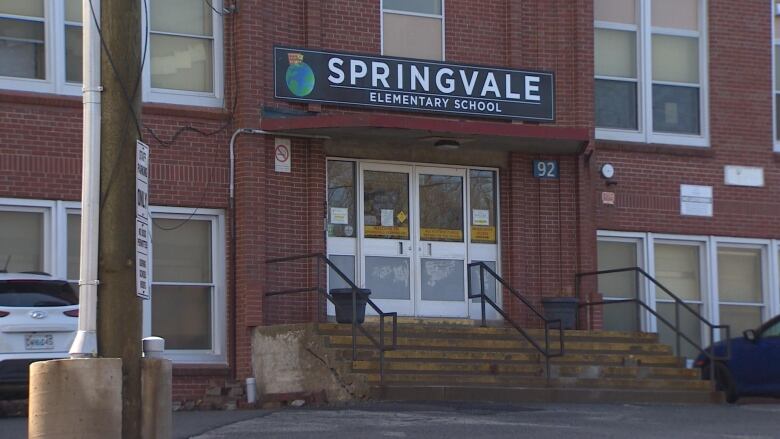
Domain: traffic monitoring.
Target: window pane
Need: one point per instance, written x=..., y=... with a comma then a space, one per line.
x=386, y=205
x=182, y=316
x=419, y=6
x=615, y=255
x=621, y=317
x=615, y=53
x=616, y=104
x=21, y=241
x=190, y=17
x=677, y=268
x=616, y=11
x=675, y=59
x=181, y=63
x=73, y=51
x=677, y=14
x=489, y=281
x=441, y=208
x=181, y=250
x=74, y=246
x=387, y=278
x=73, y=10
x=740, y=318
x=413, y=37
x=442, y=279
x=341, y=199
x=690, y=326
x=482, y=193
x=29, y=8
x=347, y=266
x=739, y=275
x=22, y=52
x=777, y=67
x=676, y=109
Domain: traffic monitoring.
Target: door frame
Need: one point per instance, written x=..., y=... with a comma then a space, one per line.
x=473, y=310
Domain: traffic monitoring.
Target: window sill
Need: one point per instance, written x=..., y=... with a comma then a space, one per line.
x=674, y=150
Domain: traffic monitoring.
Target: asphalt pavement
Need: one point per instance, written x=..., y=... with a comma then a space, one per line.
x=439, y=420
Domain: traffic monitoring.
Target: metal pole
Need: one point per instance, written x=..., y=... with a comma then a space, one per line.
x=354, y=324
x=638, y=306
x=482, y=292
x=85, y=343
x=677, y=326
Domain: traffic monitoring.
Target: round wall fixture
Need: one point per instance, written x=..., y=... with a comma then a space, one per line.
x=607, y=170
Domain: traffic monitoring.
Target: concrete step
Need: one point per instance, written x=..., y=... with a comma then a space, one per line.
x=542, y=394
x=460, y=379
x=517, y=345
x=529, y=357
x=466, y=331
x=527, y=369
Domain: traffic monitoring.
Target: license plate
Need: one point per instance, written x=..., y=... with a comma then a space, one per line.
x=35, y=342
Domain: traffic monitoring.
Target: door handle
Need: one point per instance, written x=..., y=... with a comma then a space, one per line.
x=400, y=248
x=430, y=249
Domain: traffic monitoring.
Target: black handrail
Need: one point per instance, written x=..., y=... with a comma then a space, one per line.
x=545, y=351
x=379, y=344
x=679, y=335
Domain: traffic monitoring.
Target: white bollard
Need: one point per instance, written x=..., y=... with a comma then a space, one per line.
x=153, y=347
x=251, y=390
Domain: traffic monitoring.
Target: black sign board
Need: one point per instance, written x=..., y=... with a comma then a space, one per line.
x=412, y=85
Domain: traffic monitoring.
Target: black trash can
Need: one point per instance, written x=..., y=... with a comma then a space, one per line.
x=563, y=308
x=342, y=298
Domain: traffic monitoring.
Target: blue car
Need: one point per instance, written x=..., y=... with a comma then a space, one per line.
x=754, y=367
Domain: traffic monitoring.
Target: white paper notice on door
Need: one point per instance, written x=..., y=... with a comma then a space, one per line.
x=339, y=215
x=480, y=217
x=387, y=218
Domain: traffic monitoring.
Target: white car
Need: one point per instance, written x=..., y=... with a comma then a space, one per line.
x=38, y=321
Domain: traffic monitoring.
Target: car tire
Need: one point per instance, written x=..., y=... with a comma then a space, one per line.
x=725, y=383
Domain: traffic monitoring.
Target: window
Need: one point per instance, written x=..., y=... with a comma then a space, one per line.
x=188, y=289
x=185, y=53
x=740, y=287
x=678, y=267
x=43, y=38
x=650, y=71
x=413, y=28
x=616, y=253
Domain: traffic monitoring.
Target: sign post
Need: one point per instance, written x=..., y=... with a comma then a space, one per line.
x=143, y=268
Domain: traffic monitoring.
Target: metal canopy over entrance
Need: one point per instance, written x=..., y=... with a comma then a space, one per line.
x=407, y=232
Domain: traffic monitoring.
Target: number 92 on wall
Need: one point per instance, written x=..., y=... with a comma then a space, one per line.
x=546, y=169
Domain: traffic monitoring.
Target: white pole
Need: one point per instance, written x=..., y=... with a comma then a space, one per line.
x=85, y=344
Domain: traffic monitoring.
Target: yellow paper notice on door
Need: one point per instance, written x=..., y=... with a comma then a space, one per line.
x=441, y=235
x=483, y=234
x=394, y=232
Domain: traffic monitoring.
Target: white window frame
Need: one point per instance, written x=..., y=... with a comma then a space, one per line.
x=184, y=97
x=642, y=259
x=218, y=352
x=55, y=83
x=55, y=262
x=382, y=11
x=645, y=133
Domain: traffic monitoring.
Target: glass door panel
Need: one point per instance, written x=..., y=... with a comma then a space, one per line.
x=342, y=223
x=483, y=236
x=387, y=242
x=441, y=248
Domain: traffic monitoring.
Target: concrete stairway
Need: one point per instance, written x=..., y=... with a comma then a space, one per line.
x=442, y=359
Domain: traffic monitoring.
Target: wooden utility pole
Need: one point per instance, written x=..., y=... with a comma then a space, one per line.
x=119, y=309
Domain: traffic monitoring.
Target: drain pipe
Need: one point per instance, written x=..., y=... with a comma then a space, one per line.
x=232, y=207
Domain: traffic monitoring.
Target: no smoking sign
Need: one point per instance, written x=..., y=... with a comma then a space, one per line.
x=282, y=155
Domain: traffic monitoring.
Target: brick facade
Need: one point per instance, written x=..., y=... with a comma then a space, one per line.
x=548, y=227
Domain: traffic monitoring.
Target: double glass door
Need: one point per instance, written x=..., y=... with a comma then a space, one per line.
x=409, y=243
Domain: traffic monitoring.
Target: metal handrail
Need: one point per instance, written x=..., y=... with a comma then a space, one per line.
x=379, y=344
x=545, y=351
x=679, y=335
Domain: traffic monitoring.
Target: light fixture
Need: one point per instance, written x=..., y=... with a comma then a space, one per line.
x=447, y=144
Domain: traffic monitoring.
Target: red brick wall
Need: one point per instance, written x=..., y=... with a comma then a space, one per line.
x=649, y=177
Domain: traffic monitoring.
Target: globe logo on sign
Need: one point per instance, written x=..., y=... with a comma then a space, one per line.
x=299, y=77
